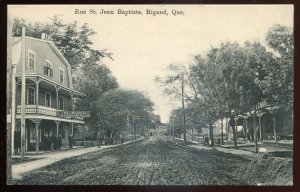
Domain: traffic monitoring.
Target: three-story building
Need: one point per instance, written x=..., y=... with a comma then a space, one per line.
x=50, y=94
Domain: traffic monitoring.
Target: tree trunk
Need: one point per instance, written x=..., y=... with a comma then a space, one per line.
x=233, y=126
x=183, y=108
x=222, y=140
x=211, y=135
x=227, y=131
x=274, y=128
x=255, y=133
x=234, y=136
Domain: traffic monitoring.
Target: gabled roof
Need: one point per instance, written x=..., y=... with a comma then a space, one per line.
x=55, y=49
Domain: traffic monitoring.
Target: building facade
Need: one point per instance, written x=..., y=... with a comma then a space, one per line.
x=50, y=95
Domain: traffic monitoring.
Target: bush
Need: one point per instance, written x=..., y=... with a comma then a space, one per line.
x=267, y=170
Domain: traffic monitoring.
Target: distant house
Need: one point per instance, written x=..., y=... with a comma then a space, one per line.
x=268, y=121
x=50, y=94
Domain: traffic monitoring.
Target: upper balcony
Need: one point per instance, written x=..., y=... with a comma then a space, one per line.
x=42, y=110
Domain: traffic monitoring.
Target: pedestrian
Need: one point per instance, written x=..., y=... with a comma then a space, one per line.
x=59, y=142
x=98, y=138
x=206, y=140
x=50, y=139
x=70, y=141
x=219, y=141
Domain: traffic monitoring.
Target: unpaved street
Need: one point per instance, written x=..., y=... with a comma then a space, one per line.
x=157, y=161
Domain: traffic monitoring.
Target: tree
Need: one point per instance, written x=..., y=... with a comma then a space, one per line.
x=117, y=108
x=278, y=83
x=174, y=85
x=73, y=41
x=94, y=81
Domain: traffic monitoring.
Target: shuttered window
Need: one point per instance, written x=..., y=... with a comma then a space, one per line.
x=31, y=59
x=61, y=75
x=47, y=69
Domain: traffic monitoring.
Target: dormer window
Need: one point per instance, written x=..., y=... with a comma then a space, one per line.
x=31, y=59
x=47, y=69
x=61, y=75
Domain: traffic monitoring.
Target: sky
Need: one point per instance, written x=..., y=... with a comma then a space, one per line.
x=143, y=45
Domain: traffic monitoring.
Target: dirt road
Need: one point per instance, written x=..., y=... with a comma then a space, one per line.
x=157, y=161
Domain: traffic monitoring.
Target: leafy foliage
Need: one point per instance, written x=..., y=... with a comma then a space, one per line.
x=237, y=78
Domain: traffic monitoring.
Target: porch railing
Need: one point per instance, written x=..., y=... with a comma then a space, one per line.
x=42, y=110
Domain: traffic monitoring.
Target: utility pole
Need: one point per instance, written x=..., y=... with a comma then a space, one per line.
x=183, y=108
x=173, y=125
x=23, y=91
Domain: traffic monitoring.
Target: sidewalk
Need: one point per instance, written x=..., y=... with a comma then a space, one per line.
x=247, y=154
x=245, y=150
x=47, y=158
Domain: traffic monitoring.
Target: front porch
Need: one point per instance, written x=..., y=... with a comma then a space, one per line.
x=44, y=132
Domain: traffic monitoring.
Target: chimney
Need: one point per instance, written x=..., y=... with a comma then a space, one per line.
x=44, y=36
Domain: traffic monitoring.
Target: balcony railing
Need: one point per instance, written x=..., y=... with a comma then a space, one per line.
x=31, y=109
x=28, y=109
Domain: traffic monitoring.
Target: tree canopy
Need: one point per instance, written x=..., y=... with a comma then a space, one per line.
x=234, y=77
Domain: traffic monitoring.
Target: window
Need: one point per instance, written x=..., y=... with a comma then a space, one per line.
x=61, y=75
x=30, y=96
x=61, y=103
x=31, y=59
x=48, y=99
x=47, y=69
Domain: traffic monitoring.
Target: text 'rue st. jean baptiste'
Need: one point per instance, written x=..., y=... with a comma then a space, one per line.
x=127, y=12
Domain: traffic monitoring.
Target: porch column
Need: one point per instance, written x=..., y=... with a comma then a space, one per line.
x=72, y=129
x=72, y=100
x=57, y=100
x=37, y=124
x=37, y=95
x=57, y=129
x=13, y=107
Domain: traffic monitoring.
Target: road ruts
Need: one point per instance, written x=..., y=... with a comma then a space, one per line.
x=157, y=161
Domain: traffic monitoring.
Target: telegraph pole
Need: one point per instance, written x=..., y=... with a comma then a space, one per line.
x=23, y=91
x=173, y=125
x=183, y=108
x=9, y=149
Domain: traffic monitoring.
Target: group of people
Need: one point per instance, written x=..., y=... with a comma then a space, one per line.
x=51, y=142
